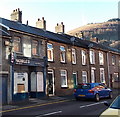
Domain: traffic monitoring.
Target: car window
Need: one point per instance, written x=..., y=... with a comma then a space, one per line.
x=83, y=86
x=116, y=103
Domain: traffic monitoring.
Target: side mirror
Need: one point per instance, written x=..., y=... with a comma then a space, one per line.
x=106, y=103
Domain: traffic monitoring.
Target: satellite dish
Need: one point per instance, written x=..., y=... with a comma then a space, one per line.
x=90, y=45
x=72, y=39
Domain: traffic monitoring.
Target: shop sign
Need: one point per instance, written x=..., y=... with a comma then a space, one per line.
x=29, y=62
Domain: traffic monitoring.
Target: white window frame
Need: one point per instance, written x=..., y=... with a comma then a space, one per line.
x=51, y=51
x=83, y=52
x=73, y=56
x=84, y=76
x=62, y=54
x=101, y=58
x=102, y=75
x=63, y=75
x=92, y=56
x=93, y=75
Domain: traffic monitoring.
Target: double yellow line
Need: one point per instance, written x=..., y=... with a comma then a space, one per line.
x=27, y=107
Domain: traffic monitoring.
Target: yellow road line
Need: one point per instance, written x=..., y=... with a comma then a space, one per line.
x=34, y=106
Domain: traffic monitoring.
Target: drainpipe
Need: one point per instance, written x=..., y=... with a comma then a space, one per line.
x=108, y=68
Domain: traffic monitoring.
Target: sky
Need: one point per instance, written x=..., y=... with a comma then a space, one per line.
x=73, y=13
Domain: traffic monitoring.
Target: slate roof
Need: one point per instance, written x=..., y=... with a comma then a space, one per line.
x=62, y=38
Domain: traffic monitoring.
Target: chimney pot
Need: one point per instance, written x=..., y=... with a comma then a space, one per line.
x=42, y=18
x=38, y=19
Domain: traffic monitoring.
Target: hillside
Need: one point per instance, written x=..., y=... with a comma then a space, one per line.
x=106, y=32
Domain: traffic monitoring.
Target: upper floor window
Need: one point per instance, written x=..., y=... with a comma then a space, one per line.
x=62, y=54
x=35, y=47
x=101, y=58
x=102, y=75
x=113, y=60
x=50, y=52
x=83, y=52
x=17, y=44
x=73, y=56
x=63, y=74
x=92, y=57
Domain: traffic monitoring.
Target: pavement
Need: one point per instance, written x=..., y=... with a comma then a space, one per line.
x=45, y=100
x=36, y=101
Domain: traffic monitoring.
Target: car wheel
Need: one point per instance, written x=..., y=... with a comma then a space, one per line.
x=97, y=98
x=110, y=95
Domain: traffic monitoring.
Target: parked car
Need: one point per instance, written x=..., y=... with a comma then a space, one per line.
x=92, y=90
x=114, y=108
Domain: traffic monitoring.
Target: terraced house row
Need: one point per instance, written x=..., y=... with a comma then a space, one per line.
x=35, y=62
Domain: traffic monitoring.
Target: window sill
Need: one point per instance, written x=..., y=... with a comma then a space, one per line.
x=64, y=87
x=51, y=61
x=63, y=62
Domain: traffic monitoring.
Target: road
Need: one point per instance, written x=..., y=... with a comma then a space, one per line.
x=66, y=107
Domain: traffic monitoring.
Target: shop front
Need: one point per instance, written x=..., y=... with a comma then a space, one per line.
x=28, y=78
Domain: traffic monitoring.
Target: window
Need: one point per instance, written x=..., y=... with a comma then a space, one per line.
x=73, y=56
x=101, y=58
x=116, y=77
x=27, y=47
x=62, y=54
x=17, y=44
x=35, y=47
x=92, y=75
x=50, y=52
x=102, y=75
x=83, y=57
x=113, y=60
x=63, y=74
x=84, y=76
x=92, y=57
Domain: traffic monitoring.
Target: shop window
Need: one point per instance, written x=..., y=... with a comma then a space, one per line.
x=73, y=56
x=116, y=77
x=101, y=58
x=50, y=52
x=63, y=74
x=84, y=76
x=62, y=54
x=35, y=47
x=17, y=44
x=83, y=57
x=20, y=88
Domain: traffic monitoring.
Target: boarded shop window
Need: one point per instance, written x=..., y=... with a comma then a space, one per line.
x=35, y=47
x=20, y=88
x=101, y=58
x=62, y=54
x=73, y=56
x=83, y=57
x=50, y=52
x=84, y=76
x=63, y=74
x=17, y=44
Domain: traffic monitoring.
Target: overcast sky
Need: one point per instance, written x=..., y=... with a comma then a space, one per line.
x=73, y=13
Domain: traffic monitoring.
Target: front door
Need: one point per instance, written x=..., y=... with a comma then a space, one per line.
x=75, y=79
x=50, y=83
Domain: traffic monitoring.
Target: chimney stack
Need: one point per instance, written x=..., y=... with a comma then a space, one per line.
x=41, y=23
x=16, y=15
x=60, y=28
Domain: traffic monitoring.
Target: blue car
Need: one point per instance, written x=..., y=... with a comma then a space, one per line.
x=92, y=91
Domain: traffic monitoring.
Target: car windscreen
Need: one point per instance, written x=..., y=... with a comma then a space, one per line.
x=84, y=86
x=116, y=103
